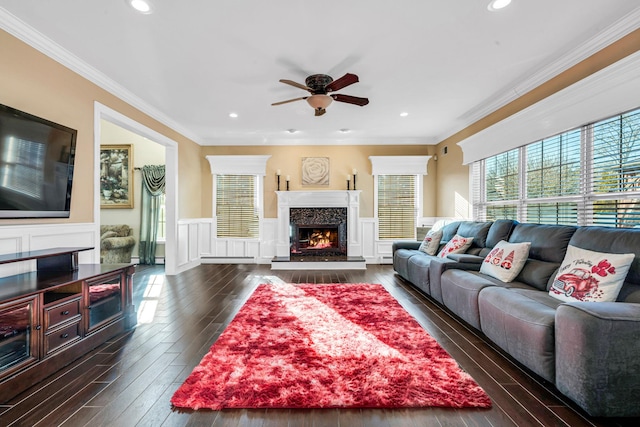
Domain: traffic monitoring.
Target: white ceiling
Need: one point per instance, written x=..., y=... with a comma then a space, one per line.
x=192, y=62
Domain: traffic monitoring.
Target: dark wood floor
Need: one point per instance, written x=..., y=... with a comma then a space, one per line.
x=129, y=380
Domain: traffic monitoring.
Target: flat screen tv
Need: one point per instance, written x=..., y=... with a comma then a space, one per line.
x=36, y=166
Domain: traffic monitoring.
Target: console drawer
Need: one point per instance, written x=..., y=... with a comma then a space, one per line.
x=58, y=338
x=61, y=313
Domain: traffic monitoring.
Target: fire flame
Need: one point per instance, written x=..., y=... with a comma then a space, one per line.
x=320, y=240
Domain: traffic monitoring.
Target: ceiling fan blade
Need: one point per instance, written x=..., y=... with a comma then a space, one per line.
x=350, y=99
x=295, y=84
x=290, y=100
x=320, y=111
x=344, y=81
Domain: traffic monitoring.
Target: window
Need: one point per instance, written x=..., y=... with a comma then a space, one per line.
x=236, y=206
x=397, y=206
x=586, y=176
x=502, y=178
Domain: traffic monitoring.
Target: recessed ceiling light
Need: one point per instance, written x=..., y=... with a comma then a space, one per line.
x=142, y=6
x=233, y=115
x=404, y=114
x=345, y=130
x=292, y=130
x=498, y=4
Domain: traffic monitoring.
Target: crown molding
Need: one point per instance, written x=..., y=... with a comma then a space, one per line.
x=21, y=30
x=311, y=140
x=603, y=94
x=563, y=61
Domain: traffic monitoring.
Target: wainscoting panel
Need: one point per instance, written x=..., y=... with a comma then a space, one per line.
x=384, y=251
x=197, y=244
x=368, y=234
x=268, y=240
x=182, y=251
x=204, y=236
x=23, y=238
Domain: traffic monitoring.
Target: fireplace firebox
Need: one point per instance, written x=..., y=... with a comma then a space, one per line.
x=318, y=232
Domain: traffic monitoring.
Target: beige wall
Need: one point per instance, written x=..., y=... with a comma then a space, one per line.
x=453, y=183
x=33, y=82
x=342, y=160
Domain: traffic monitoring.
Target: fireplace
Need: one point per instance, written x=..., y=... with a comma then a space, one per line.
x=318, y=232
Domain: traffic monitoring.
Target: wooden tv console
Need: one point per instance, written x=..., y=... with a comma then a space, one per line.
x=56, y=314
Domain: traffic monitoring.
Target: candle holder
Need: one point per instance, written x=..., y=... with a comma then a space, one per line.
x=287, y=185
x=354, y=181
x=348, y=183
x=278, y=182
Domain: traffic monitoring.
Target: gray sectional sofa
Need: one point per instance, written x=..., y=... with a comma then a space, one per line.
x=590, y=351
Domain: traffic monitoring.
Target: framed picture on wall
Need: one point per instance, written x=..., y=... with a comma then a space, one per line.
x=116, y=176
x=315, y=171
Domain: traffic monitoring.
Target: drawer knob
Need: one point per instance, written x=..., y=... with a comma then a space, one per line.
x=64, y=313
x=64, y=336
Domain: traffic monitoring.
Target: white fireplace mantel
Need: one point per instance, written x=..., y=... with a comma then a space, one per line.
x=349, y=199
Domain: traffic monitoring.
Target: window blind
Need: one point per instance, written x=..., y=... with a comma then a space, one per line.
x=502, y=176
x=615, y=171
x=397, y=206
x=236, y=210
x=553, y=166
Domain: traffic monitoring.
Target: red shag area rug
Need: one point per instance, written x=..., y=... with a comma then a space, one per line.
x=326, y=346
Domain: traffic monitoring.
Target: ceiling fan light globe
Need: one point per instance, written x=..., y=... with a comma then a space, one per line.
x=319, y=101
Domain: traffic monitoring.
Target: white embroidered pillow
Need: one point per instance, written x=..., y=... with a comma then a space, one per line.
x=431, y=242
x=457, y=245
x=590, y=276
x=505, y=260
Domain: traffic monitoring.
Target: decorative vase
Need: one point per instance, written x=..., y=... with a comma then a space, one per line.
x=106, y=194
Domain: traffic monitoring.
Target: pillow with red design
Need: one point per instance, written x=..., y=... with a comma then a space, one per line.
x=457, y=245
x=431, y=242
x=586, y=275
x=505, y=260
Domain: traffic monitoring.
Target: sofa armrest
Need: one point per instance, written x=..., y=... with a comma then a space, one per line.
x=405, y=244
x=466, y=258
x=598, y=356
x=439, y=266
x=117, y=242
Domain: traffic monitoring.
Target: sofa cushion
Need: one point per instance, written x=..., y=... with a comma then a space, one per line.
x=431, y=242
x=522, y=322
x=456, y=245
x=460, y=290
x=418, y=268
x=401, y=260
x=450, y=230
x=505, y=260
x=500, y=230
x=548, y=246
x=590, y=276
x=615, y=240
x=476, y=229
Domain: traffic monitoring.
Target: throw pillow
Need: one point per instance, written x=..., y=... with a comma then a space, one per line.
x=505, y=260
x=456, y=245
x=431, y=242
x=586, y=275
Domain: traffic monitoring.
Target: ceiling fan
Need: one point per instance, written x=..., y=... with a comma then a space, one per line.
x=320, y=86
